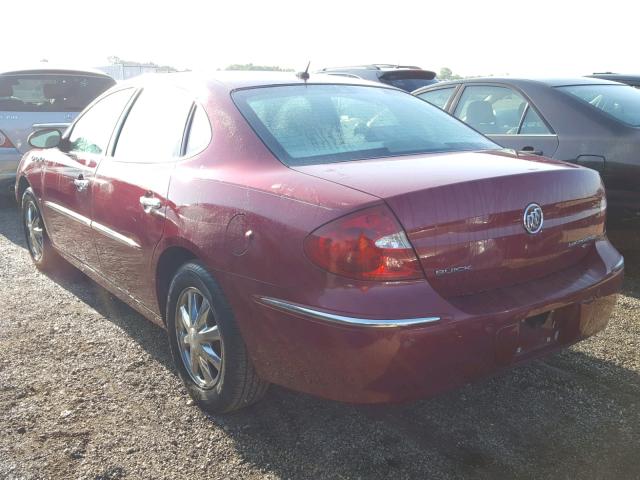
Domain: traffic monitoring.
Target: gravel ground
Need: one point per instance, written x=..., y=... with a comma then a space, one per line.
x=88, y=390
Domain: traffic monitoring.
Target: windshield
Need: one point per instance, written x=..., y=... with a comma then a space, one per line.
x=312, y=124
x=620, y=101
x=50, y=92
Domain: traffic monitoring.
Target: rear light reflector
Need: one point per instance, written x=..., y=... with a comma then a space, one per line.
x=366, y=245
x=5, y=142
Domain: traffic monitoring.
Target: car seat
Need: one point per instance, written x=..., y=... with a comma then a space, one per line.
x=480, y=116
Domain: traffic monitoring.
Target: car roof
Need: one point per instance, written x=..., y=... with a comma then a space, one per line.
x=523, y=82
x=234, y=80
x=53, y=69
x=616, y=76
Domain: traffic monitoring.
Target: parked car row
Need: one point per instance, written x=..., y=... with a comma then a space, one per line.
x=329, y=234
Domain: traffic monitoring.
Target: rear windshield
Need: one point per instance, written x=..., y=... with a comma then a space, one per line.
x=313, y=124
x=50, y=92
x=620, y=101
x=409, y=80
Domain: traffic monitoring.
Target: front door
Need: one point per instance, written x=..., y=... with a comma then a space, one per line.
x=130, y=194
x=69, y=176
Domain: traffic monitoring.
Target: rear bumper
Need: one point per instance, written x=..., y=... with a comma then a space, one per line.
x=347, y=360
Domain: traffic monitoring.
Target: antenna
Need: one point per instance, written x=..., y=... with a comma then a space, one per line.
x=304, y=75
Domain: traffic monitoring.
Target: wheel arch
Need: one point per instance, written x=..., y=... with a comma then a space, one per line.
x=23, y=184
x=168, y=263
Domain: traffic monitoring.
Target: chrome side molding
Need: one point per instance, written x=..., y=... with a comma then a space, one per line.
x=68, y=213
x=113, y=235
x=341, y=319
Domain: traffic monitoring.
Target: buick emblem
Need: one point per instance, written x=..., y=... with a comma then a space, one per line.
x=533, y=218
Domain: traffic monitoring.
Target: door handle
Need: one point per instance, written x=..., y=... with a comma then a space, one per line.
x=80, y=183
x=531, y=150
x=150, y=203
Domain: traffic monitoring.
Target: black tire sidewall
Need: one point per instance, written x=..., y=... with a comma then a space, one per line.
x=222, y=395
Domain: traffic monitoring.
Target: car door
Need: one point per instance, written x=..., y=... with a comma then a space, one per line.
x=131, y=186
x=69, y=172
x=507, y=117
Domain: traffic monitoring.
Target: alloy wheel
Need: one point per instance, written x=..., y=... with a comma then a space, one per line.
x=198, y=338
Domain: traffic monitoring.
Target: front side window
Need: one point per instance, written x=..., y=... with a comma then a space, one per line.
x=154, y=128
x=50, y=92
x=312, y=124
x=93, y=130
x=438, y=97
x=619, y=101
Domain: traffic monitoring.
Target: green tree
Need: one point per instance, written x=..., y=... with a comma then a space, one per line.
x=447, y=74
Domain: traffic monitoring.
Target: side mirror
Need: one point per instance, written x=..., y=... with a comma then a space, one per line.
x=47, y=138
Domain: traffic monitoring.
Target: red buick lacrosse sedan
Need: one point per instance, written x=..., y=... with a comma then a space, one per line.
x=330, y=235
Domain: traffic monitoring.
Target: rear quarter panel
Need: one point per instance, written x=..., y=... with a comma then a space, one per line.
x=243, y=213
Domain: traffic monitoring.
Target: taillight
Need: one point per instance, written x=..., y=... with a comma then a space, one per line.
x=5, y=142
x=366, y=245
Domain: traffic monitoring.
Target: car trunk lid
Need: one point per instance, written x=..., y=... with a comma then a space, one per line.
x=463, y=213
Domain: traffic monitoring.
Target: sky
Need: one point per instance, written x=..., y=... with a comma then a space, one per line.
x=536, y=38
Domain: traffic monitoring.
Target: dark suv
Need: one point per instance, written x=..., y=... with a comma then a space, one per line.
x=405, y=77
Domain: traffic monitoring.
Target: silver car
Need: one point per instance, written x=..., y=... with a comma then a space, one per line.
x=40, y=98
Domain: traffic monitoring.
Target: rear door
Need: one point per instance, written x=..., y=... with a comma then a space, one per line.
x=505, y=116
x=130, y=194
x=69, y=174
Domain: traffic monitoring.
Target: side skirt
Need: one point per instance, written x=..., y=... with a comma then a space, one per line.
x=114, y=289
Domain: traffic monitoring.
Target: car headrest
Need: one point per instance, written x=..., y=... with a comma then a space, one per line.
x=480, y=112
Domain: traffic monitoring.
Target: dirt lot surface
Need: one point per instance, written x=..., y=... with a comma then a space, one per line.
x=88, y=390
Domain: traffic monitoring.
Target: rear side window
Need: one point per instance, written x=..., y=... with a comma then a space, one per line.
x=154, y=128
x=312, y=124
x=50, y=92
x=199, y=132
x=533, y=124
x=438, y=97
x=93, y=130
x=620, y=101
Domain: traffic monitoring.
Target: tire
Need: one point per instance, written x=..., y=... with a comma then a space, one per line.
x=42, y=253
x=222, y=378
